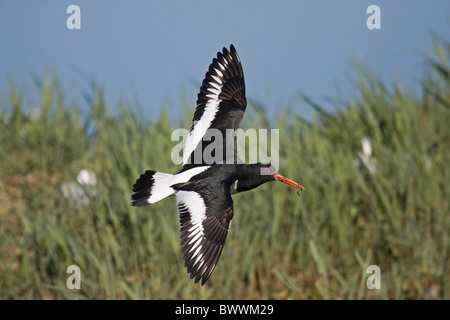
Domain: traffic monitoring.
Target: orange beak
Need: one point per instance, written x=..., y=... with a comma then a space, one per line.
x=279, y=177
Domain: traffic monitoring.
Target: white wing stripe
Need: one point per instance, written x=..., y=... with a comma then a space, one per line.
x=195, y=238
x=196, y=208
x=216, y=92
x=219, y=81
x=195, y=246
x=212, y=95
x=200, y=257
x=195, y=205
x=215, y=85
x=219, y=73
x=200, y=128
x=221, y=65
x=194, y=228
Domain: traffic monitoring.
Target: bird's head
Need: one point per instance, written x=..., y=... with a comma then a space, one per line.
x=259, y=173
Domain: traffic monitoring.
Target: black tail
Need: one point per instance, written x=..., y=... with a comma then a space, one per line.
x=151, y=187
x=142, y=189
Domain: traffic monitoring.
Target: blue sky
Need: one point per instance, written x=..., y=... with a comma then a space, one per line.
x=155, y=50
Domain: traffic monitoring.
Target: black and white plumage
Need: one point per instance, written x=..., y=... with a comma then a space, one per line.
x=205, y=216
x=202, y=187
x=221, y=105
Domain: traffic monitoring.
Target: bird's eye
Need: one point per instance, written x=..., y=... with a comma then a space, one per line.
x=267, y=170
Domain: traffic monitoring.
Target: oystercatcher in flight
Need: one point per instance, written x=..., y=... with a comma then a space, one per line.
x=203, y=187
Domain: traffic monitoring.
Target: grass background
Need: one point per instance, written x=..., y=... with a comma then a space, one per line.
x=280, y=246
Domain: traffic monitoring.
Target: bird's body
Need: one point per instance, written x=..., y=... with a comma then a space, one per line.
x=211, y=168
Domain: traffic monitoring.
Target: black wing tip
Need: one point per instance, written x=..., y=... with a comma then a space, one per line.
x=232, y=49
x=228, y=65
x=224, y=51
x=233, y=52
x=203, y=274
x=204, y=280
x=196, y=276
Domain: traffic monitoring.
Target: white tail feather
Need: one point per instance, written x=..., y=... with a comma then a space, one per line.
x=153, y=186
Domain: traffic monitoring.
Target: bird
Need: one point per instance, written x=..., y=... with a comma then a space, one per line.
x=204, y=188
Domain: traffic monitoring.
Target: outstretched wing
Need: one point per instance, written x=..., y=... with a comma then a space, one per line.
x=221, y=105
x=204, y=224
